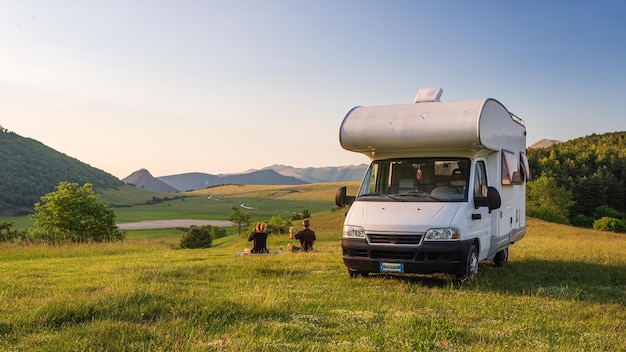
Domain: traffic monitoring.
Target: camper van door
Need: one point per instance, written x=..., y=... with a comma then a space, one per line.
x=481, y=222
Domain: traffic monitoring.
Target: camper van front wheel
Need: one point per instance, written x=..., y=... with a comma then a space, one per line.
x=355, y=273
x=471, y=265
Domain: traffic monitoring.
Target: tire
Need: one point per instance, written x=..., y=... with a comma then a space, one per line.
x=355, y=274
x=471, y=266
x=501, y=258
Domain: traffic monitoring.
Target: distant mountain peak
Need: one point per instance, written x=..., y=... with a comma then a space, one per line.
x=139, y=173
x=544, y=143
x=142, y=178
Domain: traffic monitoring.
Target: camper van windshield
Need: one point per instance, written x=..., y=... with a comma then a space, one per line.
x=416, y=180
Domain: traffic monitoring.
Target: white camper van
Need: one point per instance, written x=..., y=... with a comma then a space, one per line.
x=445, y=189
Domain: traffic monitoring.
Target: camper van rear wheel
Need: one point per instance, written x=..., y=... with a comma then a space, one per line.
x=501, y=258
x=471, y=265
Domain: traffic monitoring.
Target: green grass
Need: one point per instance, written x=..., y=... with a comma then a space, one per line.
x=563, y=290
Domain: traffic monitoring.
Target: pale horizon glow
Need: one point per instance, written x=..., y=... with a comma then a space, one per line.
x=228, y=86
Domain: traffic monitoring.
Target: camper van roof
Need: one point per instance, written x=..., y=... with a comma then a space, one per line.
x=431, y=125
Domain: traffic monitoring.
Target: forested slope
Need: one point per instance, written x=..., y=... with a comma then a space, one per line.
x=593, y=168
x=29, y=169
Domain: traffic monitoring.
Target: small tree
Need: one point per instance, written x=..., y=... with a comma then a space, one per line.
x=278, y=225
x=300, y=216
x=198, y=237
x=547, y=201
x=238, y=217
x=76, y=214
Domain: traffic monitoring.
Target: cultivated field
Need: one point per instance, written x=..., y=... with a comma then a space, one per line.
x=563, y=290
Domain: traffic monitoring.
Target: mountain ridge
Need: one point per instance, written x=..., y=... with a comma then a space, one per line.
x=198, y=180
x=276, y=174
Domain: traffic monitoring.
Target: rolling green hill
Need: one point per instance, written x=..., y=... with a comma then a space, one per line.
x=29, y=170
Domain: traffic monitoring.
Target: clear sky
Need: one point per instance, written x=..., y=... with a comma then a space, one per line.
x=226, y=86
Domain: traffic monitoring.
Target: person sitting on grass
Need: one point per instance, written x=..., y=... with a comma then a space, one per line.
x=259, y=236
x=306, y=237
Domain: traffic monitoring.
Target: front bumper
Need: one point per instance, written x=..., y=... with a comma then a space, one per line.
x=426, y=258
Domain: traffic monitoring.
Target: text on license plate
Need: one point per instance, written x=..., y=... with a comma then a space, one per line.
x=392, y=267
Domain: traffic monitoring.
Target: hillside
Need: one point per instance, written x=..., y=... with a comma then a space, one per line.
x=29, y=170
x=592, y=168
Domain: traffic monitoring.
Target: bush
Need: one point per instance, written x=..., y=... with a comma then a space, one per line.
x=6, y=234
x=278, y=225
x=201, y=236
x=74, y=214
x=581, y=220
x=609, y=224
x=217, y=232
x=548, y=213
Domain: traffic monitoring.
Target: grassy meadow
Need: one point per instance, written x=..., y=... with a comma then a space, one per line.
x=563, y=290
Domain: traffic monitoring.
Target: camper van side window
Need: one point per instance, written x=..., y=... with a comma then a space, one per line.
x=480, y=180
x=511, y=173
x=525, y=167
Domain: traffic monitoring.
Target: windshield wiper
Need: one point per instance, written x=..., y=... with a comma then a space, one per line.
x=379, y=195
x=417, y=194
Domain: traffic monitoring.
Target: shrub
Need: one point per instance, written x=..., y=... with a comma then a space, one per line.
x=217, y=232
x=581, y=220
x=199, y=236
x=6, y=234
x=278, y=225
x=609, y=224
x=548, y=213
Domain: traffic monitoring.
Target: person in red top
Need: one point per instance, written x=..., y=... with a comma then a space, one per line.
x=306, y=237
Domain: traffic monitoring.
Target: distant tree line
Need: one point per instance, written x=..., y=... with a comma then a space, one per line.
x=580, y=182
x=156, y=200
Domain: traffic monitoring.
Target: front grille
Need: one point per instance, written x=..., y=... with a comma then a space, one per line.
x=381, y=255
x=375, y=238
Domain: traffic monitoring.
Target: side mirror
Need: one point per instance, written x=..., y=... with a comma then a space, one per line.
x=492, y=200
x=342, y=199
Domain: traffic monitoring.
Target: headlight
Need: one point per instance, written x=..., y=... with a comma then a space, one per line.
x=353, y=231
x=447, y=234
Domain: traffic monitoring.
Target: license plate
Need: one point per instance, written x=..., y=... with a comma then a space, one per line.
x=392, y=267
